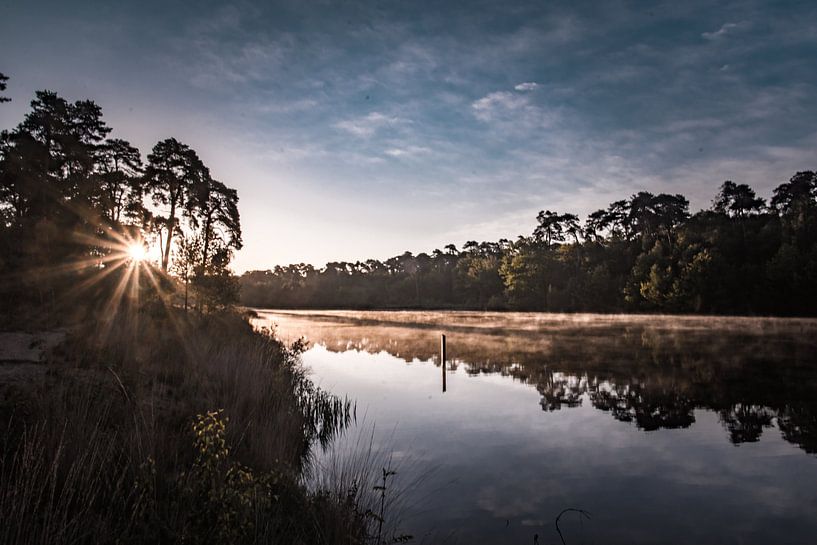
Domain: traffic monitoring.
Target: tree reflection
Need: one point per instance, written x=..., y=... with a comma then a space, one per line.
x=745, y=423
x=648, y=409
x=651, y=371
x=561, y=390
x=798, y=424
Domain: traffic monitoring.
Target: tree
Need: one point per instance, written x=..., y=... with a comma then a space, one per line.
x=618, y=219
x=172, y=173
x=471, y=247
x=120, y=177
x=737, y=200
x=595, y=224
x=796, y=195
x=213, y=209
x=552, y=227
x=67, y=192
x=71, y=134
x=49, y=197
x=796, y=202
x=570, y=225
x=670, y=211
x=47, y=182
x=641, y=253
x=185, y=261
x=653, y=215
x=548, y=228
x=25, y=190
x=3, y=80
x=641, y=216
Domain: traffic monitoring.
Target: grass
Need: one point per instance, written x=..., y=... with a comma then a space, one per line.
x=367, y=476
x=157, y=426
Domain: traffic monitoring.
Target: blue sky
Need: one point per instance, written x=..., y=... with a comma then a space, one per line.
x=363, y=129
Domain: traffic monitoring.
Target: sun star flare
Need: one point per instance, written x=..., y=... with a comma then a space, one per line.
x=137, y=252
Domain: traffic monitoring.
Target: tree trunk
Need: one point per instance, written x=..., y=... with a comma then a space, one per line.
x=170, y=221
x=206, y=245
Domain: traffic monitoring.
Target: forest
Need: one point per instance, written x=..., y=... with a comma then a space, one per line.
x=646, y=253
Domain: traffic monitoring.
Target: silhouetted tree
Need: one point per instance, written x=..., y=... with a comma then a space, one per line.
x=71, y=201
x=549, y=227
x=213, y=210
x=3, y=80
x=737, y=200
x=120, y=177
x=186, y=260
x=172, y=174
x=642, y=253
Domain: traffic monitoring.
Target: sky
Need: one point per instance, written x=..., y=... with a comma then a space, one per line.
x=357, y=130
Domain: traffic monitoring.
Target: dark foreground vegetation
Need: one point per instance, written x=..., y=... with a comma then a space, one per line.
x=169, y=429
x=642, y=254
x=162, y=416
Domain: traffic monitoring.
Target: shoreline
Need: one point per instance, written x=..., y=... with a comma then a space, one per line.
x=149, y=414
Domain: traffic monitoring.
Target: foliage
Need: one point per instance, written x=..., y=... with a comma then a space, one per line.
x=645, y=253
x=73, y=199
x=219, y=499
x=3, y=80
x=100, y=451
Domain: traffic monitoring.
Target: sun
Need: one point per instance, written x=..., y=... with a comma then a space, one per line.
x=137, y=252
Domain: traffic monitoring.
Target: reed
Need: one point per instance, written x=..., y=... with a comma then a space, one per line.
x=111, y=448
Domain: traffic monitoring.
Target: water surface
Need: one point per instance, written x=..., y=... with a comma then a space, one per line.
x=666, y=429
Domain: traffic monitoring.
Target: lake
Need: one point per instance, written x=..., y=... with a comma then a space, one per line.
x=665, y=429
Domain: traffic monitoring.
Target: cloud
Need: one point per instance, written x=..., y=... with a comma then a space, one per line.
x=366, y=126
x=285, y=107
x=514, y=110
x=407, y=151
x=488, y=106
x=704, y=123
x=217, y=65
x=526, y=86
x=727, y=28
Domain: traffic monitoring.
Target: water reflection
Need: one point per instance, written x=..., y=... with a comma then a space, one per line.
x=544, y=412
x=654, y=372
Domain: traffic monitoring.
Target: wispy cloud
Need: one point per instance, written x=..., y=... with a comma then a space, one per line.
x=526, y=86
x=407, y=151
x=284, y=107
x=515, y=110
x=706, y=123
x=555, y=106
x=218, y=50
x=497, y=103
x=726, y=28
x=368, y=125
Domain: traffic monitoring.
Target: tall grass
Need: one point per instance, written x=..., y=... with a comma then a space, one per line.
x=117, y=443
x=60, y=492
x=361, y=464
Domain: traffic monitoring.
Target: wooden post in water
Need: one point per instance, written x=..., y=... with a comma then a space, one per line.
x=442, y=357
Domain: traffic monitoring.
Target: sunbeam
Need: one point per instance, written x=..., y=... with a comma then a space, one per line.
x=137, y=252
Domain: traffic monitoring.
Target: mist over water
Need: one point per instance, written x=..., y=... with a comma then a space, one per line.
x=667, y=429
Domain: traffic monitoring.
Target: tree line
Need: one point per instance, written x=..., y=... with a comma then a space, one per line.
x=74, y=201
x=647, y=253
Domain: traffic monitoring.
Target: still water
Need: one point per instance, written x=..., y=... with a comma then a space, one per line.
x=665, y=429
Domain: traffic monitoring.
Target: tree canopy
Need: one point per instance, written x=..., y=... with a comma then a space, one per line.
x=72, y=199
x=645, y=253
